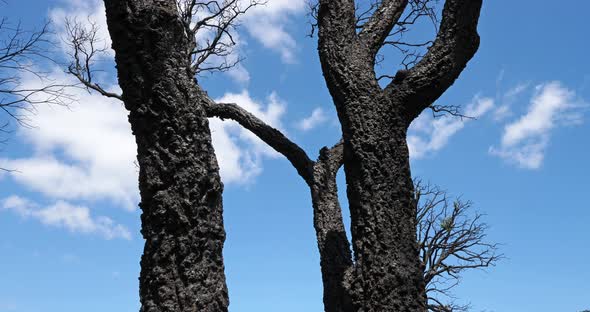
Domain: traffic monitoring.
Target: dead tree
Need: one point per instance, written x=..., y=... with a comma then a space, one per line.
x=182, y=266
x=386, y=273
x=451, y=239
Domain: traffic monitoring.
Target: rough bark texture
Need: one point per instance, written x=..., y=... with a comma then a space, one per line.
x=182, y=266
x=333, y=245
x=386, y=275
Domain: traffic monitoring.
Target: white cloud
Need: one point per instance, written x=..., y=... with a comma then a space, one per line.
x=507, y=99
x=427, y=134
x=525, y=140
x=502, y=112
x=267, y=24
x=76, y=219
x=239, y=74
x=84, y=151
x=88, y=12
x=317, y=117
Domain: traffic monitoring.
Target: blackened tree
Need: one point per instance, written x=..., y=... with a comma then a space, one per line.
x=451, y=239
x=158, y=58
x=386, y=273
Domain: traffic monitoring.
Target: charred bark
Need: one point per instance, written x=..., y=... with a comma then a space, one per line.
x=333, y=245
x=182, y=266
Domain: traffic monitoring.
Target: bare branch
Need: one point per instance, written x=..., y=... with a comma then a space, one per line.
x=271, y=136
x=333, y=244
x=313, y=8
x=19, y=51
x=448, y=110
x=451, y=240
x=210, y=29
x=335, y=156
x=85, y=48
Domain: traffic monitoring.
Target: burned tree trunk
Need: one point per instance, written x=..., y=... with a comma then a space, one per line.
x=333, y=245
x=387, y=274
x=182, y=266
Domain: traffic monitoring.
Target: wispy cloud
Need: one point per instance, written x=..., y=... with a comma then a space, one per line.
x=525, y=140
x=76, y=219
x=317, y=117
x=428, y=134
x=86, y=152
x=507, y=99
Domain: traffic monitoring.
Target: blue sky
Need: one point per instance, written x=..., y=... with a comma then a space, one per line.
x=70, y=227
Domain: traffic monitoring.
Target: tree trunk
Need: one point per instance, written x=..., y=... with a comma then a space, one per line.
x=333, y=245
x=387, y=274
x=182, y=265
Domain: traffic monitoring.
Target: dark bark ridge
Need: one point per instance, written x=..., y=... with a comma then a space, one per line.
x=180, y=188
x=386, y=274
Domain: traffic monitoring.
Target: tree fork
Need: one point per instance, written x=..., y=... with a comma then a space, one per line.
x=387, y=274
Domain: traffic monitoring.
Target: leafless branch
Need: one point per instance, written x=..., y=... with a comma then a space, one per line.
x=271, y=136
x=382, y=23
x=312, y=13
x=451, y=240
x=20, y=50
x=448, y=110
x=376, y=27
x=210, y=28
x=85, y=48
